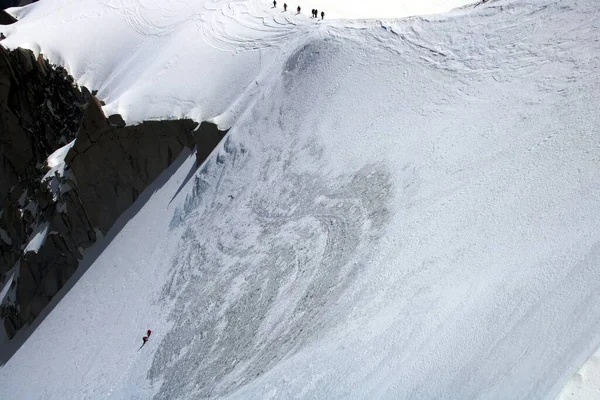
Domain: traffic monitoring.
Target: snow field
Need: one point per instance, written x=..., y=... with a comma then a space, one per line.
x=402, y=209
x=357, y=9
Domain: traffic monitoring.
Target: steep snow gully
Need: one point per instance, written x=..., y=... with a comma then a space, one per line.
x=401, y=208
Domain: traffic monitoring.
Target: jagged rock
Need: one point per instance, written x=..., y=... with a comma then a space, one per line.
x=108, y=166
x=40, y=111
x=73, y=224
x=35, y=103
x=93, y=126
x=11, y=223
x=6, y=18
x=116, y=120
x=12, y=320
x=113, y=165
x=42, y=274
x=207, y=137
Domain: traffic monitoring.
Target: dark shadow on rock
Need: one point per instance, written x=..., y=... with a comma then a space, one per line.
x=40, y=112
x=191, y=173
x=6, y=18
x=105, y=170
x=113, y=164
x=207, y=136
x=4, y=4
x=11, y=347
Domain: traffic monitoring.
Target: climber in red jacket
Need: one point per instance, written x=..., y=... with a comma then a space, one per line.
x=145, y=338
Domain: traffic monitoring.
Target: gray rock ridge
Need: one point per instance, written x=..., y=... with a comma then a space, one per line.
x=48, y=217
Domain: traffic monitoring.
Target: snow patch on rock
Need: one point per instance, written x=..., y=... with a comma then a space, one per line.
x=38, y=237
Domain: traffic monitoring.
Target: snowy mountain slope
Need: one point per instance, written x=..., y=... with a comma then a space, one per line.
x=402, y=209
x=153, y=59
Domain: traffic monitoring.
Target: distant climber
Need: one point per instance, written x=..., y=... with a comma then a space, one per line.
x=274, y=3
x=145, y=338
x=316, y=13
x=313, y=13
x=322, y=15
x=298, y=9
x=284, y=6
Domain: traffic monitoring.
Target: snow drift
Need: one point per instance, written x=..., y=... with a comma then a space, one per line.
x=401, y=209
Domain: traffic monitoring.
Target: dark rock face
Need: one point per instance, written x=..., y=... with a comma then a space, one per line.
x=48, y=218
x=6, y=18
x=14, y=3
x=207, y=137
x=115, y=163
x=40, y=111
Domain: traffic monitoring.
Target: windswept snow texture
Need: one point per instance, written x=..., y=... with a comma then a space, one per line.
x=401, y=209
x=152, y=58
x=360, y=9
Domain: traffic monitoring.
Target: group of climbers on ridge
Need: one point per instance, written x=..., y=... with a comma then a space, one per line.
x=315, y=12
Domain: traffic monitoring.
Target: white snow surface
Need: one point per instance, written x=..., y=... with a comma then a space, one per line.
x=401, y=209
x=585, y=384
x=360, y=9
x=37, y=238
x=56, y=161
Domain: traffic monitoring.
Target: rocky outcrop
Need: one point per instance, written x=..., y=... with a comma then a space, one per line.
x=6, y=18
x=40, y=111
x=207, y=137
x=14, y=3
x=53, y=210
x=114, y=163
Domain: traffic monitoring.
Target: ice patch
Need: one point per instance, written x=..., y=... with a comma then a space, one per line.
x=38, y=237
x=52, y=178
x=56, y=161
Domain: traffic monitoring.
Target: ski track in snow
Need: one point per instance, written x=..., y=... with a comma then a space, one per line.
x=226, y=25
x=401, y=209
